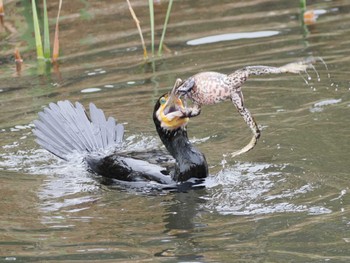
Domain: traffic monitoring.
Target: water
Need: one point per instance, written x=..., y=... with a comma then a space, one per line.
x=287, y=200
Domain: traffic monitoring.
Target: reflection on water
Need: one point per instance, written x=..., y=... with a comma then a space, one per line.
x=285, y=201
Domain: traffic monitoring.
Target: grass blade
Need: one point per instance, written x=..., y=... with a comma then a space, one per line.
x=137, y=22
x=47, y=54
x=164, y=27
x=56, y=43
x=151, y=15
x=38, y=43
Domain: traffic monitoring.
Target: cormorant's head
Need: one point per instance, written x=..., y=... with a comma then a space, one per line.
x=168, y=111
x=170, y=123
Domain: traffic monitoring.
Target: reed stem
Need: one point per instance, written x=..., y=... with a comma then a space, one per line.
x=137, y=22
x=164, y=27
x=151, y=15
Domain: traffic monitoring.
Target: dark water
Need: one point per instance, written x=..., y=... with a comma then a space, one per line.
x=285, y=201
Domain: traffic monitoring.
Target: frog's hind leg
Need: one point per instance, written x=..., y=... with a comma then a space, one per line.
x=238, y=100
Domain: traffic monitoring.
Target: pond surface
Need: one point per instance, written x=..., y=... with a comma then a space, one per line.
x=287, y=200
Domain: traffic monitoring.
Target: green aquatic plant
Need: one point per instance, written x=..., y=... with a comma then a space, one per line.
x=43, y=51
x=151, y=14
x=164, y=27
x=56, y=43
x=37, y=34
x=47, y=53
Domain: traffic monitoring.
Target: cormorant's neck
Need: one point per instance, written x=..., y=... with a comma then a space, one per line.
x=190, y=162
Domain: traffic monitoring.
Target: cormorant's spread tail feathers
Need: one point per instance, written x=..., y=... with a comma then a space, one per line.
x=63, y=129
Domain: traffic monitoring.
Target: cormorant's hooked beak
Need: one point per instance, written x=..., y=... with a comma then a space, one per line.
x=170, y=113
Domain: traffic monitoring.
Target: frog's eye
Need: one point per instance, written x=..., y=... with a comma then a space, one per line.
x=162, y=100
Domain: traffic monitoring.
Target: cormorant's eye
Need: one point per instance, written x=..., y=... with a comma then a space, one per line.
x=162, y=100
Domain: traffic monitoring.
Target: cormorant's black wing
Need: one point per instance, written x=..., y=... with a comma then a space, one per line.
x=63, y=129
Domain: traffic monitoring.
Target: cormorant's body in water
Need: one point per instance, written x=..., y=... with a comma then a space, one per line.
x=63, y=129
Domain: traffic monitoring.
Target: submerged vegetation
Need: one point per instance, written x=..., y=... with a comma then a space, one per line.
x=151, y=14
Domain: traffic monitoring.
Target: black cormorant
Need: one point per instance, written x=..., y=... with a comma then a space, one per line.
x=64, y=129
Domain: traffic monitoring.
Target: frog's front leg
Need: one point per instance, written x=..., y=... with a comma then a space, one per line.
x=238, y=100
x=186, y=89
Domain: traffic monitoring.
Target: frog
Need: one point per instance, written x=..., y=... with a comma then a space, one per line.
x=208, y=88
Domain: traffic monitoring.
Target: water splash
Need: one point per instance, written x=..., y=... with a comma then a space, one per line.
x=303, y=65
x=251, y=189
x=319, y=106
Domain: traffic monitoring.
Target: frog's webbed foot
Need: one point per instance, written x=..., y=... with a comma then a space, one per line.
x=190, y=112
x=238, y=101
